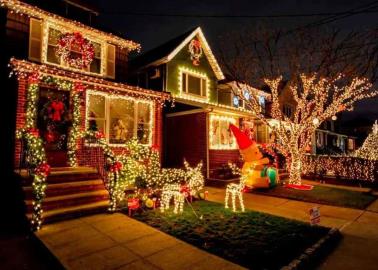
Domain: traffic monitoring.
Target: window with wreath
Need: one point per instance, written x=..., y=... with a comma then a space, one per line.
x=120, y=119
x=193, y=85
x=75, y=52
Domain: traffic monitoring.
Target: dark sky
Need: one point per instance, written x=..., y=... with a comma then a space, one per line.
x=150, y=31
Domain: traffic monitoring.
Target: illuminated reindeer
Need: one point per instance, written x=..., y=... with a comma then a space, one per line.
x=236, y=190
x=194, y=181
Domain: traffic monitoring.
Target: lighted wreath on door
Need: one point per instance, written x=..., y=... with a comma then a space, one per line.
x=75, y=42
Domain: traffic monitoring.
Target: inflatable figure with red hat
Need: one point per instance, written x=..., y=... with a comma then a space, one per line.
x=256, y=172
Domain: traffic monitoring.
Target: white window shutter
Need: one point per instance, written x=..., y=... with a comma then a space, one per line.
x=110, y=61
x=35, y=39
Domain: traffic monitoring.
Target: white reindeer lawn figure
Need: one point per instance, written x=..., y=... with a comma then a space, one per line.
x=195, y=180
x=236, y=190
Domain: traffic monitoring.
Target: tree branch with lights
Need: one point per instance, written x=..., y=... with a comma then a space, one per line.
x=324, y=72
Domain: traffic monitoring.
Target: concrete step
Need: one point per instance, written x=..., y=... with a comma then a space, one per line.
x=76, y=199
x=64, y=213
x=67, y=188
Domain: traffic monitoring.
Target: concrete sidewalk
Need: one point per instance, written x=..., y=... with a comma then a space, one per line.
x=115, y=241
x=358, y=248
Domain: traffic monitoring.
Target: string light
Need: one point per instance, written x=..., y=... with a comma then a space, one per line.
x=317, y=99
x=369, y=149
x=35, y=12
x=342, y=166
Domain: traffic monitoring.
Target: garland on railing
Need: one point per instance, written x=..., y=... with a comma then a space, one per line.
x=141, y=162
x=39, y=170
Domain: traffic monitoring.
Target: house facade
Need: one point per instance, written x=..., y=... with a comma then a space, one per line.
x=67, y=78
x=60, y=55
x=196, y=127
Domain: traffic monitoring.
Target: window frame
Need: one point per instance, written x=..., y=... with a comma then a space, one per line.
x=107, y=125
x=219, y=118
x=46, y=26
x=204, y=84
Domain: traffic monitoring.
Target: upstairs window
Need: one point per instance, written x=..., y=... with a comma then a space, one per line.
x=193, y=85
x=52, y=58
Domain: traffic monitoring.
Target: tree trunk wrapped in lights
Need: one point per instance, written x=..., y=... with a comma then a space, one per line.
x=321, y=72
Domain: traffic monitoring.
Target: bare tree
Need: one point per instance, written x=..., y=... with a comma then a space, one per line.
x=326, y=72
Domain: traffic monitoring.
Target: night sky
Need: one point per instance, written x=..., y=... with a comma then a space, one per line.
x=151, y=31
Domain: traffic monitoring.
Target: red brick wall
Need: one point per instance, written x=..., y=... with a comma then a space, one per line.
x=218, y=158
x=186, y=138
x=20, y=117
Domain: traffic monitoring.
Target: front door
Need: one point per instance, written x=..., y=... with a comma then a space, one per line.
x=54, y=124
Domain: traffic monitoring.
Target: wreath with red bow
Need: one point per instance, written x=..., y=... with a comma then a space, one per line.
x=75, y=41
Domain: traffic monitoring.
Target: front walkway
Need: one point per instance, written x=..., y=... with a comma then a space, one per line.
x=359, y=246
x=115, y=241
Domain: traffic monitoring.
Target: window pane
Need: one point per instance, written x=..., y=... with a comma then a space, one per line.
x=96, y=125
x=121, y=117
x=95, y=66
x=194, y=85
x=97, y=49
x=184, y=83
x=51, y=56
x=225, y=136
x=215, y=135
x=54, y=36
x=96, y=107
x=144, y=127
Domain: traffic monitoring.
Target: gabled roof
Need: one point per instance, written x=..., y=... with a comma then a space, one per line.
x=167, y=51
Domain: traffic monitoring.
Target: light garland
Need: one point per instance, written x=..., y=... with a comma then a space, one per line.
x=315, y=98
x=22, y=69
x=218, y=118
x=19, y=7
x=347, y=167
x=369, y=149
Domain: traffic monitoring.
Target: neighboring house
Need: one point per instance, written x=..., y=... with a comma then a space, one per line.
x=90, y=61
x=197, y=127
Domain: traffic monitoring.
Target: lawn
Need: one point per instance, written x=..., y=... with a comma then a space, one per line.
x=324, y=195
x=251, y=239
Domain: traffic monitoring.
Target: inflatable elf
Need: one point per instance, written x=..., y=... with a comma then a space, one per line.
x=255, y=168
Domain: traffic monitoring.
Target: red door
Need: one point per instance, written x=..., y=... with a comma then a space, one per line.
x=54, y=124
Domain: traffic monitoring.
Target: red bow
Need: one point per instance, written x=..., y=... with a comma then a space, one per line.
x=116, y=167
x=185, y=189
x=34, y=132
x=43, y=169
x=79, y=87
x=99, y=135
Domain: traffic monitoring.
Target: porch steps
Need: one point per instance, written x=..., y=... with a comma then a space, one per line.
x=70, y=192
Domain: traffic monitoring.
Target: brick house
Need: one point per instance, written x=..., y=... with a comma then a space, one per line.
x=95, y=63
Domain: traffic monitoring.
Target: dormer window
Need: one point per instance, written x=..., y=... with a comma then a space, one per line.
x=193, y=84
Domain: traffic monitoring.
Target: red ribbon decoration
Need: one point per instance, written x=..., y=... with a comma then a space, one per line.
x=43, y=169
x=34, y=132
x=116, y=167
x=33, y=78
x=99, y=135
x=79, y=87
x=57, y=110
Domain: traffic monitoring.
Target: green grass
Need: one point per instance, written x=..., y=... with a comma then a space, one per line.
x=251, y=239
x=324, y=195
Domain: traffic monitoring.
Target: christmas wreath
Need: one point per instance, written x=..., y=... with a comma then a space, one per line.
x=75, y=41
x=195, y=50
